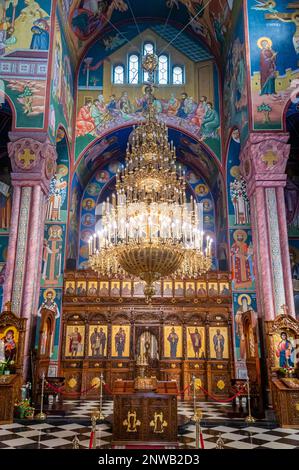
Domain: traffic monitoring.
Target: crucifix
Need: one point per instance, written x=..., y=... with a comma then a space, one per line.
x=292, y=17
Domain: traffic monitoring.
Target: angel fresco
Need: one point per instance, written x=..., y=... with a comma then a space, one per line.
x=265, y=5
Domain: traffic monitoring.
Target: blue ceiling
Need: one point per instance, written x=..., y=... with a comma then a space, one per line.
x=154, y=9
x=183, y=43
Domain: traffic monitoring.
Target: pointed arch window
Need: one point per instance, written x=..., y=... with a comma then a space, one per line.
x=133, y=69
x=119, y=75
x=177, y=75
x=163, y=70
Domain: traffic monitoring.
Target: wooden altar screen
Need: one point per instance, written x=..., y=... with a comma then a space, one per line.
x=187, y=327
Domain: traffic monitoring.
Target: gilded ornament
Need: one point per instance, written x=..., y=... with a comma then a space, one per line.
x=158, y=423
x=270, y=159
x=26, y=159
x=220, y=384
x=131, y=423
x=72, y=382
x=95, y=382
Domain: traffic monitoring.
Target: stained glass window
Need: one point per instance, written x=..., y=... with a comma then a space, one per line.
x=119, y=74
x=177, y=75
x=133, y=69
x=163, y=70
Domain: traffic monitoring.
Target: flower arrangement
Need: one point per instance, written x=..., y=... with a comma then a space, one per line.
x=23, y=409
x=5, y=366
x=286, y=372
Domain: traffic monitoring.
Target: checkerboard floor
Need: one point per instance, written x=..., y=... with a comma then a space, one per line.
x=83, y=409
x=59, y=430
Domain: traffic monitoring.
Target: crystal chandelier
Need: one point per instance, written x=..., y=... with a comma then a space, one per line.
x=149, y=229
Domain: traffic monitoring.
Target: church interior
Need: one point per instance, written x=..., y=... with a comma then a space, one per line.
x=149, y=224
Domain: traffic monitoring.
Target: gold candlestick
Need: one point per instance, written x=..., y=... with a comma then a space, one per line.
x=249, y=419
x=101, y=417
x=94, y=418
x=41, y=415
x=194, y=417
x=197, y=418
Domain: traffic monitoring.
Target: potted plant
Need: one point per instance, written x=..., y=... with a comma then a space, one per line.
x=29, y=412
x=21, y=407
x=287, y=372
x=5, y=367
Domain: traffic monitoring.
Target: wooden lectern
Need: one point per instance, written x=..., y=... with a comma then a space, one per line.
x=147, y=417
x=9, y=392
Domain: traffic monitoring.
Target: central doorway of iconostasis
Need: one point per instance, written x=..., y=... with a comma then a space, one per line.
x=148, y=348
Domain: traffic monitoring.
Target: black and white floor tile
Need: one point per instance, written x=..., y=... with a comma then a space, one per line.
x=60, y=429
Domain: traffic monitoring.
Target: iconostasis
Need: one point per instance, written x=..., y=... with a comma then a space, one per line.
x=177, y=342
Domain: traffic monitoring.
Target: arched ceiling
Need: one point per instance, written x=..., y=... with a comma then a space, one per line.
x=113, y=147
x=206, y=21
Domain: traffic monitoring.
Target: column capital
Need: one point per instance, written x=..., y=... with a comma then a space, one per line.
x=33, y=159
x=264, y=158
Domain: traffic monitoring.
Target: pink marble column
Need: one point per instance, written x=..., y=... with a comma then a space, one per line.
x=11, y=252
x=33, y=241
x=285, y=254
x=33, y=163
x=263, y=163
x=262, y=254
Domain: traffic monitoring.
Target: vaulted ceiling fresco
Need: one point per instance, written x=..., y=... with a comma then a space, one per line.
x=209, y=21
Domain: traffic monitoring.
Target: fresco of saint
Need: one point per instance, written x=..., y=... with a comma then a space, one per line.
x=267, y=66
x=241, y=265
